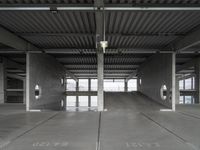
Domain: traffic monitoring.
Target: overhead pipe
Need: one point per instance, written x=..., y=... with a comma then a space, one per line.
x=24, y=8
x=106, y=8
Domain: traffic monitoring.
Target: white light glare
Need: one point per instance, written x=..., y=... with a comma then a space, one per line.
x=104, y=45
x=166, y=110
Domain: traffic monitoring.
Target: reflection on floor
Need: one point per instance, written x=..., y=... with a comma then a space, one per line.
x=132, y=122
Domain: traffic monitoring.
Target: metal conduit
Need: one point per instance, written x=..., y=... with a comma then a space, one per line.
x=106, y=8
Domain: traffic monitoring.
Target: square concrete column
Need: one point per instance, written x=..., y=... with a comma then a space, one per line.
x=177, y=91
x=125, y=86
x=24, y=91
x=174, y=81
x=27, y=81
x=89, y=89
x=100, y=77
x=3, y=82
x=77, y=89
x=197, y=82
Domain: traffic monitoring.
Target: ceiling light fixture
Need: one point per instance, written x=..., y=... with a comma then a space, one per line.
x=104, y=45
x=54, y=10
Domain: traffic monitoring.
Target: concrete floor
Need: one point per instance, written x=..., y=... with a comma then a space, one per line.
x=132, y=122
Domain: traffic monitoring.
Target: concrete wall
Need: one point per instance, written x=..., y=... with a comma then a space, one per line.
x=154, y=73
x=47, y=72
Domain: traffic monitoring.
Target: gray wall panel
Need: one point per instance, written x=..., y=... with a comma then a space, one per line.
x=154, y=73
x=46, y=72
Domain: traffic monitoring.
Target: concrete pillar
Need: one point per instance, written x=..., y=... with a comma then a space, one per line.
x=100, y=77
x=177, y=91
x=197, y=81
x=3, y=82
x=27, y=81
x=174, y=81
x=24, y=91
x=125, y=86
x=77, y=89
x=89, y=89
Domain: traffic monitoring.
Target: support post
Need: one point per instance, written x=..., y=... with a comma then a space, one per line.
x=77, y=89
x=125, y=86
x=197, y=81
x=27, y=81
x=174, y=81
x=100, y=76
x=100, y=36
x=177, y=91
x=89, y=89
x=3, y=82
x=24, y=92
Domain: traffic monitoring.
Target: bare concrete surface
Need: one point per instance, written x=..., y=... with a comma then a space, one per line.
x=71, y=131
x=131, y=122
x=128, y=127
x=193, y=109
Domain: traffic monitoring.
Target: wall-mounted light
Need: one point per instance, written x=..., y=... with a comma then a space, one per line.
x=38, y=92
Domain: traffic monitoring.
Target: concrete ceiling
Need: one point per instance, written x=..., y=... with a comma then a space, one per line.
x=133, y=36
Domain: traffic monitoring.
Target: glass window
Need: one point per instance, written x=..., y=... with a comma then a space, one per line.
x=83, y=101
x=94, y=101
x=71, y=101
x=132, y=85
x=83, y=84
x=93, y=84
x=71, y=85
x=181, y=86
x=188, y=84
x=188, y=99
x=181, y=99
x=114, y=85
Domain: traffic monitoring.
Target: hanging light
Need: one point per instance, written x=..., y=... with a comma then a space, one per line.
x=104, y=43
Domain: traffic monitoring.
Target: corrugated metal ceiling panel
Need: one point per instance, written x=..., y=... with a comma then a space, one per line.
x=149, y=22
x=46, y=22
x=142, y=24
x=62, y=41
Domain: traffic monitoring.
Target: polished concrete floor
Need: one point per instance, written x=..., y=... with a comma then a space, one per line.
x=131, y=122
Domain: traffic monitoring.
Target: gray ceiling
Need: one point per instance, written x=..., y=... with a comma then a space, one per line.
x=69, y=36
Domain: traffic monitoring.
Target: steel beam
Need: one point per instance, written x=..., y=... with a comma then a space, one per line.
x=107, y=34
x=116, y=7
x=15, y=76
x=190, y=40
x=113, y=50
x=133, y=74
x=71, y=75
x=10, y=39
x=13, y=64
x=188, y=64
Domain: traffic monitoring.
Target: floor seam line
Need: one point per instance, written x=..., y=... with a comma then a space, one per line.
x=27, y=131
x=149, y=118
x=189, y=115
x=98, y=136
x=171, y=132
